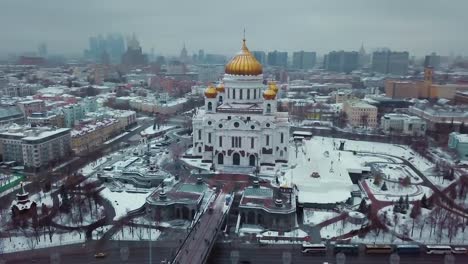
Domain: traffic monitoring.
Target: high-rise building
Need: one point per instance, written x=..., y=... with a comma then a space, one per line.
x=42, y=50
x=304, y=59
x=364, y=58
x=215, y=59
x=183, y=57
x=432, y=60
x=341, y=61
x=201, y=56
x=278, y=58
x=260, y=56
x=112, y=46
x=390, y=62
x=134, y=54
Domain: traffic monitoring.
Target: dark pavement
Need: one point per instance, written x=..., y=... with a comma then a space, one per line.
x=221, y=254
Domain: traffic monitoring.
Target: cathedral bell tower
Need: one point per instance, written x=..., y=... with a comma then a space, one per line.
x=211, y=100
x=270, y=103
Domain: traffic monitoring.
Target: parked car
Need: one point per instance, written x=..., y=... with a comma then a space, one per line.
x=100, y=255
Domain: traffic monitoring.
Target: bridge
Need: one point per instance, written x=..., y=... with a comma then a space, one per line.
x=199, y=242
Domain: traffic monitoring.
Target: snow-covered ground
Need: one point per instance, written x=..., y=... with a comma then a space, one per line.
x=43, y=198
x=196, y=163
x=430, y=227
x=314, y=217
x=395, y=190
x=123, y=202
x=91, y=167
x=73, y=218
x=21, y=243
x=130, y=233
x=402, y=151
x=337, y=229
x=437, y=178
x=149, y=131
x=396, y=172
x=320, y=172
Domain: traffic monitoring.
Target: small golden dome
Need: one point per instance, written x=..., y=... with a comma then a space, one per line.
x=211, y=92
x=220, y=88
x=244, y=63
x=269, y=94
x=272, y=86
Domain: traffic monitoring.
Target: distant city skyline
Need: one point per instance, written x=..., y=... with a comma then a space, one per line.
x=217, y=26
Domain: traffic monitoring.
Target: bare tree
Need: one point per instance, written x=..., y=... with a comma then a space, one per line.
x=415, y=213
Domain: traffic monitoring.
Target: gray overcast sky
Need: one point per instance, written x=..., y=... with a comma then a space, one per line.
x=419, y=26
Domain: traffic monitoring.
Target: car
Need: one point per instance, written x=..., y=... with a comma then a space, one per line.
x=100, y=255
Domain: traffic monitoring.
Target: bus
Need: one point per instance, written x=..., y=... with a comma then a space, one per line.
x=348, y=249
x=308, y=248
x=438, y=250
x=408, y=249
x=378, y=249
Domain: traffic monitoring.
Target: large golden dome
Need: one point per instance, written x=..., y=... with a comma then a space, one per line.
x=211, y=92
x=244, y=63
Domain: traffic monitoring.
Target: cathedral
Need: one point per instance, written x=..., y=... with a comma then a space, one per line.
x=239, y=127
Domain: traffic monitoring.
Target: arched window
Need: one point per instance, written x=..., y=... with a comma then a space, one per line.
x=268, y=108
x=199, y=134
x=220, y=158
x=282, y=137
x=252, y=160
x=199, y=149
x=210, y=106
x=236, y=159
x=221, y=99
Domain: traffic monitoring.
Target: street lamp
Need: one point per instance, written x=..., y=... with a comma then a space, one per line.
x=149, y=241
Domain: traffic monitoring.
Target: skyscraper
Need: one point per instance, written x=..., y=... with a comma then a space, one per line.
x=183, y=57
x=341, y=61
x=432, y=60
x=201, y=56
x=390, y=62
x=134, y=54
x=113, y=46
x=278, y=58
x=304, y=60
x=260, y=56
x=42, y=50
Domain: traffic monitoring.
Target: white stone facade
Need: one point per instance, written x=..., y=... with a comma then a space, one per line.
x=402, y=123
x=239, y=127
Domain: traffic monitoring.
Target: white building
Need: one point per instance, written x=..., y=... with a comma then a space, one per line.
x=36, y=148
x=239, y=127
x=402, y=123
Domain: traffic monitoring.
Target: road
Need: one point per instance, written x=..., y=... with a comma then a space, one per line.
x=138, y=252
x=198, y=243
x=221, y=254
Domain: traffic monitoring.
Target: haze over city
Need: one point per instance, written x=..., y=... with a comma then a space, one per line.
x=234, y=132
x=419, y=27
